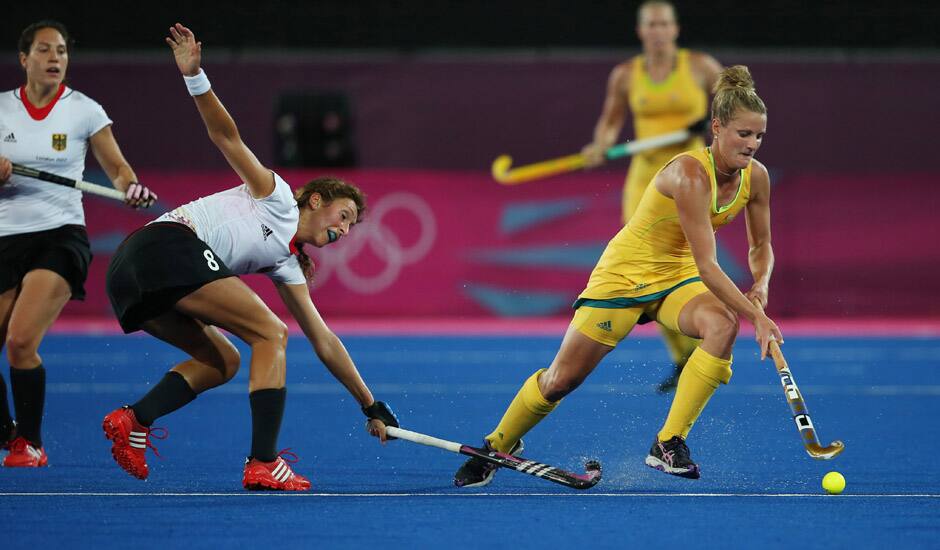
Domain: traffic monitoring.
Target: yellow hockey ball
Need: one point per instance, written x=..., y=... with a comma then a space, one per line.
x=833, y=483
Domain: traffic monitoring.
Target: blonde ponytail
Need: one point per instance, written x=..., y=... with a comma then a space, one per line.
x=735, y=91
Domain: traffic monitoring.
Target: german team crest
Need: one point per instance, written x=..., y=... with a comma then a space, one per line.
x=59, y=141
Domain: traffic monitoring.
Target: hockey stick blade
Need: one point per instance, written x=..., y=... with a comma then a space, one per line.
x=588, y=479
x=798, y=406
x=503, y=172
x=801, y=413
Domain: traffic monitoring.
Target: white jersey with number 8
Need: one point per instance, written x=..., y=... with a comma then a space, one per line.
x=250, y=235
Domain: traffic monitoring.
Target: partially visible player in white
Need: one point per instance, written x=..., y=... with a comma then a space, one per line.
x=44, y=250
x=177, y=279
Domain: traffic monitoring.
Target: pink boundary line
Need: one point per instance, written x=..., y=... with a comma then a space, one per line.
x=549, y=326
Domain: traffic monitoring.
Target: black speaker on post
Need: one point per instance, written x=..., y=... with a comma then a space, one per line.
x=314, y=129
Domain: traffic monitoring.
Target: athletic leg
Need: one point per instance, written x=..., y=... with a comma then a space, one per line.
x=43, y=294
x=230, y=304
x=214, y=361
x=706, y=317
x=680, y=348
x=7, y=299
x=540, y=394
x=592, y=334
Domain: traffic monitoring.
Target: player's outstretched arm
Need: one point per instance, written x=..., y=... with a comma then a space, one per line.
x=330, y=349
x=220, y=125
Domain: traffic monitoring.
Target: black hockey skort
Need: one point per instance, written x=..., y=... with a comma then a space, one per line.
x=154, y=268
x=63, y=250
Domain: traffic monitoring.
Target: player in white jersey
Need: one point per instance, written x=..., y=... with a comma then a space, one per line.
x=44, y=249
x=175, y=279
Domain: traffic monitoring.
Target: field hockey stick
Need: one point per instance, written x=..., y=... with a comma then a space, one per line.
x=83, y=186
x=798, y=407
x=504, y=173
x=586, y=480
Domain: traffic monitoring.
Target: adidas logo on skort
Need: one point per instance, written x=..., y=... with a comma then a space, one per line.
x=9, y=138
x=266, y=231
x=604, y=325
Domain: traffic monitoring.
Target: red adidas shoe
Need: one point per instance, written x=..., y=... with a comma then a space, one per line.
x=130, y=440
x=24, y=455
x=274, y=476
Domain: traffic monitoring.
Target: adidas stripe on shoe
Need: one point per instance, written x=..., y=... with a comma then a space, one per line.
x=130, y=440
x=24, y=455
x=276, y=475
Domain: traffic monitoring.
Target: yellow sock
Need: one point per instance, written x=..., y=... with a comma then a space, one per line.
x=679, y=345
x=700, y=378
x=527, y=409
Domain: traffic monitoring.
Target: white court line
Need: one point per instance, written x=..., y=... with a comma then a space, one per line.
x=312, y=388
x=477, y=495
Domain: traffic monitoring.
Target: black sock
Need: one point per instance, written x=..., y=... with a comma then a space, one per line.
x=267, y=409
x=29, y=396
x=171, y=393
x=6, y=421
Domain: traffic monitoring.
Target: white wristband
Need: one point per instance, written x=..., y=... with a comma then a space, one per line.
x=197, y=85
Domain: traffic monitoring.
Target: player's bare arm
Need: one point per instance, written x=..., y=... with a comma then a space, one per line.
x=119, y=171
x=221, y=127
x=329, y=348
x=706, y=70
x=612, y=117
x=760, y=252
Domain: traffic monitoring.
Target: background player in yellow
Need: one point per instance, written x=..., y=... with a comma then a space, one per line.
x=663, y=265
x=665, y=89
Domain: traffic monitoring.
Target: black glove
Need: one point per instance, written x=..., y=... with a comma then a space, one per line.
x=381, y=411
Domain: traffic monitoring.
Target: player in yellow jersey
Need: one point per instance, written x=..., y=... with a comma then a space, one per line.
x=663, y=266
x=665, y=89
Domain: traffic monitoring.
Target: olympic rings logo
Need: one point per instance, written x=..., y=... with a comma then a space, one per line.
x=382, y=242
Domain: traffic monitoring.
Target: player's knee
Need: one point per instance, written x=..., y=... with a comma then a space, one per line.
x=723, y=325
x=230, y=362
x=275, y=332
x=555, y=384
x=281, y=334
x=22, y=348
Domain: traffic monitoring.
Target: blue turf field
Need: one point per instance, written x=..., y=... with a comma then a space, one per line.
x=759, y=488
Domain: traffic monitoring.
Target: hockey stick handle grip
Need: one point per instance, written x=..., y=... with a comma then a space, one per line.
x=423, y=439
x=774, y=348
x=633, y=147
x=504, y=173
x=82, y=186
